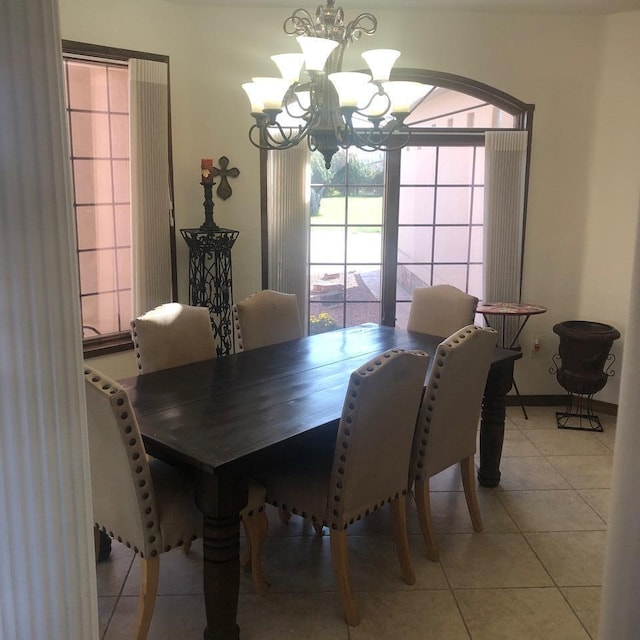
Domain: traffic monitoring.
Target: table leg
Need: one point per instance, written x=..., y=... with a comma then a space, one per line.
x=492, y=420
x=221, y=502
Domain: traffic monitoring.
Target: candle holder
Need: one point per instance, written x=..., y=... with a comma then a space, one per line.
x=208, y=223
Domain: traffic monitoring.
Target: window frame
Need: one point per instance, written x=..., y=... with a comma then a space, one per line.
x=523, y=116
x=121, y=341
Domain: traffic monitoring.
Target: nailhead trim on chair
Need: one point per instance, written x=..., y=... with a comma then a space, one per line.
x=455, y=339
x=236, y=322
x=120, y=402
x=344, y=444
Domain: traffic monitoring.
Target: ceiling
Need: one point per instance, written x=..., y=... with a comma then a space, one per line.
x=523, y=6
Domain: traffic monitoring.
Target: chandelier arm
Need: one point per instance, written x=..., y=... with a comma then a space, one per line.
x=364, y=24
x=300, y=23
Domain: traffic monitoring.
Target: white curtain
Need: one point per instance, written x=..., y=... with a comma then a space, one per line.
x=620, y=613
x=288, y=223
x=47, y=565
x=504, y=191
x=150, y=196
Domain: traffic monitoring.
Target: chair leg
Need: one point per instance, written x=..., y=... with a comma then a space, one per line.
x=340, y=557
x=423, y=505
x=256, y=527
x=149, y=575
x=400, y=537
x=467, y=469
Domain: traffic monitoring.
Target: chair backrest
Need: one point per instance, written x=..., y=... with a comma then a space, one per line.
x=266, y=317
x=440, y=310
x=124, y=503
x=448, y=421
x=373, y=445
x=171, y=335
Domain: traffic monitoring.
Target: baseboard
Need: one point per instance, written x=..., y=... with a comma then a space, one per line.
x=559, y=401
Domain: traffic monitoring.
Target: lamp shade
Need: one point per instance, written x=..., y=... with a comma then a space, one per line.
x=381, y=62
x=350, y=87
x=289, y=65
x=316, y=51
x=405, y=95
x=272, y=91
x=255, y=96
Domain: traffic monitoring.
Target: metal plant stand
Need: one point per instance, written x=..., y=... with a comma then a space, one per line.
x=583, y=367
x=210, y=279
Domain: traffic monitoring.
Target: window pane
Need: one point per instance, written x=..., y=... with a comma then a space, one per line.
x=414, y=244
x=329, y=206
x=87, y=86
x=90, y=134
x=478, y=205
x=402, y=314
x=119, y=89
x=453, y=205
x=92, y=181
x=455, y=165
x=95, y=226
x=416, y=205
x=361, y=312
x=418, y=165
x=363, y=283
x=120, y=136
x=479, y=170
x=97, y=271
x=327, y=244
x=325, y=316
x=411, y=276
x=452, y=274
x=99, y=314
x=364, y=205
x=477, y=248
x=121, y=181
x=326, y=282
x=364, y=244
x=123, y=257
x=451, y=244
x=123, y=224
x=475, y=281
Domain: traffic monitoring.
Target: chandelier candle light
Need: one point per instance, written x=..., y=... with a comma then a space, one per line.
x=332, y=108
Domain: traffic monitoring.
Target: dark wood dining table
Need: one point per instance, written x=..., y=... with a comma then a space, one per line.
x=221, y=417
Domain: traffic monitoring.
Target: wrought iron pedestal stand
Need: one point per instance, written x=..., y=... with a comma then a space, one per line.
x=582, y=367
x=210, y=279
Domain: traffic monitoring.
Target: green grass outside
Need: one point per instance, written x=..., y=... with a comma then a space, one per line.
x=361, y=211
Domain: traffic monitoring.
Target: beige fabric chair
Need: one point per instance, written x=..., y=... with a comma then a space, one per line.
x=171, y=335
x=448, y=421
x=266, y=317
x=368, y=466
x=143, y=503
x=440, y=310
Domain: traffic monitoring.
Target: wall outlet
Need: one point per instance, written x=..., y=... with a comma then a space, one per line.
x=536, y=345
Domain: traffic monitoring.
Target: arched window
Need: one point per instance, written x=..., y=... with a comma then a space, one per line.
x=381, y=224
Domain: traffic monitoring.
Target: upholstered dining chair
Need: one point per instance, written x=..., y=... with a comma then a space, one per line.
x=440, y=310
x=143, y=502
x=448, y=421
x=171, y=335
x=266, y=317
x=366, y=468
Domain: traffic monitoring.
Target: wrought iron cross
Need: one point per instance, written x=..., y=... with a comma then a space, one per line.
x=224, y=188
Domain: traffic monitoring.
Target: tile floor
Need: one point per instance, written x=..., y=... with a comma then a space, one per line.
x=533, y=574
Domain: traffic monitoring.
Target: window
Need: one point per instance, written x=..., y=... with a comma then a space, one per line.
x=382, y=224
x=97, y=87
x=345, y=262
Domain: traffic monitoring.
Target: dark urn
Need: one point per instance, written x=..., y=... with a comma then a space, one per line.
x=584, y=351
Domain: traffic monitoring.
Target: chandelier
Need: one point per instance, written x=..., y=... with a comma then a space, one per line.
x=329, y=107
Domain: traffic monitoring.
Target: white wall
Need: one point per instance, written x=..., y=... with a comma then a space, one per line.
x=559, y=63
x=613, y=185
